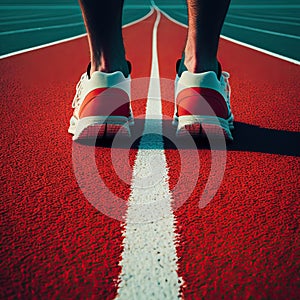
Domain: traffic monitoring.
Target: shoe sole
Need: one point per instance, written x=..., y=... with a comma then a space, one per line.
x=100, y=127
x=201, y=126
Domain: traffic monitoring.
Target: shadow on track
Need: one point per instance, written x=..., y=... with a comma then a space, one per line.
x=247, y=138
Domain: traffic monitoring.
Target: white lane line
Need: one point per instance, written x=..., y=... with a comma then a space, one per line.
x=294, y=61
x=149, y=259
x=49, y=19
x=69, y=39
x=272, y=17
x=141, y=6
x=60, y=7
x=15, y=17
x=264, y=6
x=42, y=46
x=282, y=57
x=140, y=19
x=37, y=7
x=264, y=20
x=39, y=19
x=239, y=6
x=41, y=28
x=262, y=30
x=253, y=29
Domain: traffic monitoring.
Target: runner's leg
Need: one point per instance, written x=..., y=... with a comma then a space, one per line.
x=103, y=21
x=205, y=20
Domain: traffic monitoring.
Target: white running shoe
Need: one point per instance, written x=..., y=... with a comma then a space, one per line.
x=101, y=106
x=202, y=104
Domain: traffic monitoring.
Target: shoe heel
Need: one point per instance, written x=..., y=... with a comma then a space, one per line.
x=192, y=129
x=91, y=132
x=113, y=129
x=215, y=130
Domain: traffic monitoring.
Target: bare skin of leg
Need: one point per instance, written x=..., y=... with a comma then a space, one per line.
x=103, y=22
x=205, y=20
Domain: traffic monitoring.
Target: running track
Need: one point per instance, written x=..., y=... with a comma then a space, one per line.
x=55, y=244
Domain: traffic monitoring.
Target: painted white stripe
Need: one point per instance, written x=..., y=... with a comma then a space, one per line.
x=137, y=6
x=174, y=20
x=294, y=61
x=140, y=19
x=32, y=20
x=60, y=7
x=42, y=46
x=253, y=29
x=59, y=26
x=37, y=7
x=16, y=17
x=272, y=16
x=265, y=6
x=264, y=20
x=69, y=39
x=41, y=28
x=262, y=31
x=282, y=57
x=149, y=260
x=238, y=6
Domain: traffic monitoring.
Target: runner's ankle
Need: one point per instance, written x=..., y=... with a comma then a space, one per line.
x=110, y=66
x=202, y=65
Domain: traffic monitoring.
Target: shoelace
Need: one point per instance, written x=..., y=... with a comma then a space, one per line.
x=79, y=88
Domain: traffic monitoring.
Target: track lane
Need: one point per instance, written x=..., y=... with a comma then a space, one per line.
x=149, y=261
x=243, y=244
x=17, y=36
x=235, y=244
x=279, y=39
x=240, y=29
x=54, y=242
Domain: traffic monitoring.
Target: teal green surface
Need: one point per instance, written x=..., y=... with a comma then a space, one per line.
x=271, y=25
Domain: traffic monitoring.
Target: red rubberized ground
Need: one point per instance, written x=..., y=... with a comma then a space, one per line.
x=244, y=243
x=55, y=244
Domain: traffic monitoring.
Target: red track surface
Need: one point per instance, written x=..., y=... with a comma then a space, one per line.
x=55, y=244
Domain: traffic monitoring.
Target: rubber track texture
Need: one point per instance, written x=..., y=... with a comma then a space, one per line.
x=243, y=244
x=54, y=242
